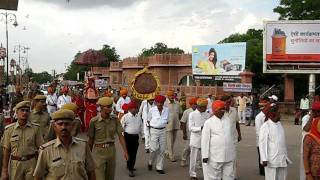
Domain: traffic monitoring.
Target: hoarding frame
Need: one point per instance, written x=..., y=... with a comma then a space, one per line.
x=9, y=4
x=292, y=67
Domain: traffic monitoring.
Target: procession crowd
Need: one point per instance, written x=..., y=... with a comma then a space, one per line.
x=40, y=133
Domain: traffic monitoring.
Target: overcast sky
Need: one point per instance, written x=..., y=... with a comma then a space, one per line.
x=56, y=30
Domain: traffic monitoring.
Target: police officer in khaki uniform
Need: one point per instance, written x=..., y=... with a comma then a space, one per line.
x=102, y=131
x=39, y=114
x=77, y=122
x=66, y=157
x=20, y=142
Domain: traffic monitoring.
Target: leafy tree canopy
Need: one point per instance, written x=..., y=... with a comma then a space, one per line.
x=298, y=10
x=160, y=48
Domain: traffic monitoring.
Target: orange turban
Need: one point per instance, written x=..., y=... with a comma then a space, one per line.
x=202, y=102
x=108, y=94
x=193, y=101
x=218, y=104
x=123, y=92
x=170, y=93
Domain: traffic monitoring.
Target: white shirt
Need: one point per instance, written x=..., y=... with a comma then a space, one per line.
x=232, y=114
x=131, y=124
x=217, y=140
x=62, y=100
x=156, y=120
x=52, y=99
x=121, y=102
x=258, y=121
x=272, y=144
x=144, y=109
x=185, y=119
x=305, y=119
x=196, y=122
x=209, y=106
x=304, y=104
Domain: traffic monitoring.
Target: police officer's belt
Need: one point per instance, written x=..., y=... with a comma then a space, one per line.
x=157, y=128
x=104, y=145
x=23, y=158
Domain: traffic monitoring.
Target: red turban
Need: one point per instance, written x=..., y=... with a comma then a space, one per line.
x=160, y=99
x=65, y=89
x=125, y=107
x=132, y=105
x=193, y=101
x=316, y=106
x=218, y=104
x=50, y=90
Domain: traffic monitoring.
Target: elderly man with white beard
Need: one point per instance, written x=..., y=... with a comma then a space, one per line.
x=217, y=145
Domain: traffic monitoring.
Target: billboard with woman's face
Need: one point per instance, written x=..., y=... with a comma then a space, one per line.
x=219, y=59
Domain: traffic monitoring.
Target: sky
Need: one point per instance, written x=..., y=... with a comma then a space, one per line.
x=55, y=30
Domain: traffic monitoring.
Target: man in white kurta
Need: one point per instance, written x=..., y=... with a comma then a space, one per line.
x=64, y=98
x=51, y=101
x=217, y=145
x=273, y=148
x=197, y=119
x=232, y=114
x=185, y=130
x=124, y=99
x=145, y=106
x=157, y=121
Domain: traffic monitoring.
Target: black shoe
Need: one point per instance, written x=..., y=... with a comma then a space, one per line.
x=149, y=167
x=161, y=171
x=147, y=151
x=131, y=174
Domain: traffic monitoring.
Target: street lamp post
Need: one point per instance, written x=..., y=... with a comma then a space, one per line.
x=20, y=48
x=9, y=17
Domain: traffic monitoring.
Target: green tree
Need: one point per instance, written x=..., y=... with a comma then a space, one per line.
x=254, y=55
x=110, y=53
x=42, y=77
x=160, y=48
x=298, y=9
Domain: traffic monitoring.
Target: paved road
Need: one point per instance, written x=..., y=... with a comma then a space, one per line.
x=247, y=158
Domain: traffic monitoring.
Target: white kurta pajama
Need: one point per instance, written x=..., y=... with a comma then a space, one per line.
x=143, y=112
x=51, y=102
x=273, y=148
x=121, y=102
x=158, y=124
x=196, y=122
x=217, y=144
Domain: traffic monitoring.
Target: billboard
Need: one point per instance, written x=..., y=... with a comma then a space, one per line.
x=291, y=46
x=219, y=59
x=9, y=4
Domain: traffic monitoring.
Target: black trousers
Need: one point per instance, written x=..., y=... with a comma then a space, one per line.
x=261, y=168
x=132, y=142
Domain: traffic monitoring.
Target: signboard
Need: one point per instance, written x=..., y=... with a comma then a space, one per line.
x=237, y=87
x=291, y=46
x=9, y=4
x=217, y=78
x=219, y=59
x=100, y=83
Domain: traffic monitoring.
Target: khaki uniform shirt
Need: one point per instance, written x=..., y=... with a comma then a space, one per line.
x=41, y=118
x=55, y=162
x=175, y=111
x=104, y=130
x=22, y=141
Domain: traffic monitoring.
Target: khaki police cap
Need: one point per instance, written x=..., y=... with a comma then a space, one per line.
x=105, y=101
x=22, y=104
x=40, y=97
x=71, y=106
x=63, y=114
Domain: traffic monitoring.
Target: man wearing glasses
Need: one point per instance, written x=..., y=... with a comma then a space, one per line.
x=20, y=143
